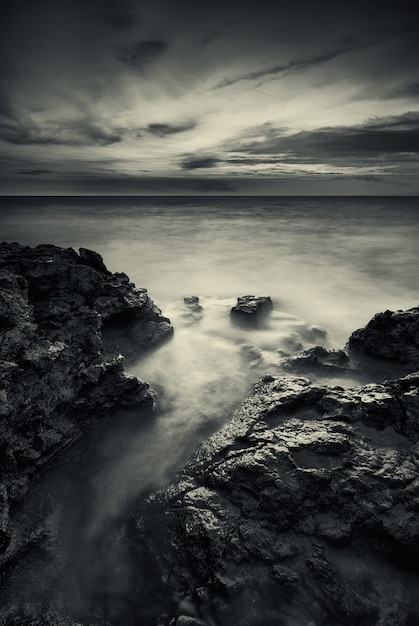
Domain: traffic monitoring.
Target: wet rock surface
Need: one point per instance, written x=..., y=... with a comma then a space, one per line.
x=251, y=310
x=390, y=335
x=318, y=360
x=303, y=509
x=56, y=373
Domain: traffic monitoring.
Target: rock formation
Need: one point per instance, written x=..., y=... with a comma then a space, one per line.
x=56, y=373
x=251, y=310
x=318, y=360
x=390, y=335
x=303, y=509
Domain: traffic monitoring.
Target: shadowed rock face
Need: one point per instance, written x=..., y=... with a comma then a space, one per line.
x=302, y=509
x=56, y=374
x=390, y=335
x=251, y=310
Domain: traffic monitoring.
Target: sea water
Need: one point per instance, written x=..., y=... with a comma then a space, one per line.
x=327, y=263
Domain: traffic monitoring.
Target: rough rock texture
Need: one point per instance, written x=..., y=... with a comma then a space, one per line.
x=303, y=509
x=390, y=335
x=251, y=310
x=318, y=360
x=55, y=373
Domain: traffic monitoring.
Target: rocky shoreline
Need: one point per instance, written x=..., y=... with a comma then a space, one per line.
x=57, y=372
x=302, y=510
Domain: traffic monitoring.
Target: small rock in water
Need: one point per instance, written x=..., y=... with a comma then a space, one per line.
x=251, y=354
x=251, y=310
x=192, y=309
x=317, y=332
x=319, y=360
x=291, y=343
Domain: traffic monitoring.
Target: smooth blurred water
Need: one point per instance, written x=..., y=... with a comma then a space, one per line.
x=332, y=261
x=325, y=261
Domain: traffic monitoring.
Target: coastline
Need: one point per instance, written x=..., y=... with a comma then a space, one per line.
x=260, y=508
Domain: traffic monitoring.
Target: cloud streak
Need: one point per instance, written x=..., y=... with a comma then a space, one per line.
x=277, y=70
x=374, y=140
x=199, y=162
x=163, y=130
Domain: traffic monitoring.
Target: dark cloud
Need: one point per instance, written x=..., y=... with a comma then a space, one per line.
x=199, y=162
x=35, y=172
x=381, y=138
x=138, y=55
x=80, y=133
x=163, y=130
x=409, y=90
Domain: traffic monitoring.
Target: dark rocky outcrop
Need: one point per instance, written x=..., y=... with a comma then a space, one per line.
x=302, y=509
x=251, y=310
x=56, y=373
x=390, y=335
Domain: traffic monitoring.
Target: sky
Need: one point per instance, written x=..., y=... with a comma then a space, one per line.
x=184, y=97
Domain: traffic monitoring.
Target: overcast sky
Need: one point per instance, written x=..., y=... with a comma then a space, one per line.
x=187, y=97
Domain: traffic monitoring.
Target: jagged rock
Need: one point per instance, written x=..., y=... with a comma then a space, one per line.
x=251, y=310
x=93, y=259
x=318, y=360
x=390, y=335
x=302, y=509
x=56, y=374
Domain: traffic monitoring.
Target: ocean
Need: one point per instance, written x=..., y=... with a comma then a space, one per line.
x=326, y=262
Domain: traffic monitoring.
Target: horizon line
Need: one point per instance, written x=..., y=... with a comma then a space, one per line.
x=214, y=195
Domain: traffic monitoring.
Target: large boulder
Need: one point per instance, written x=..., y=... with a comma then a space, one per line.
x=390, y=335
x=303, y=509
x=251, y=310
x=56, y=373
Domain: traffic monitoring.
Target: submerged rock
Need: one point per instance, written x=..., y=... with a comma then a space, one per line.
x=318, y=360
x=251, y=355
x=390, y=335
x=192, y=309
x=251, y=310
x=291, y=343
x=56, y=373
x=301, y=509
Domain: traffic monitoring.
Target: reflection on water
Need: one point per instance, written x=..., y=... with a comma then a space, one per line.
x=327, y=263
